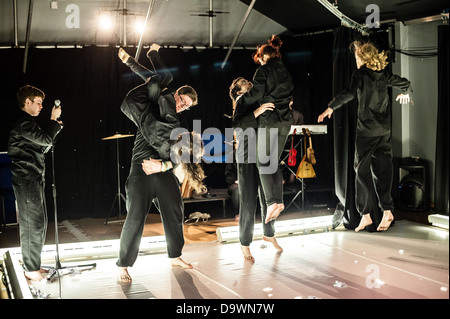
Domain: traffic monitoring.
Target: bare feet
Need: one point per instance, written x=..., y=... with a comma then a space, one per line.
x=178, y=262
x=123, y=55
x=247, y=254
x=274, y=242
x=124, y=276
x=273, y=211
x=36, y=275
x=365, y=221
x=386, y=221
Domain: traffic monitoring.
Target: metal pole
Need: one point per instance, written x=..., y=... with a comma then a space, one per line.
x=27, y=39
x=16, y=37
x=250, y=7
x=210, y=23
x=124, y=22
x=149, y=12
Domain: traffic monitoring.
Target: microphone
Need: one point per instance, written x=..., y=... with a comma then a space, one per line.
x=57, y=103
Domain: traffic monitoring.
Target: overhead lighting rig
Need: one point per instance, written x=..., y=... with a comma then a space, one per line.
x=346, y=21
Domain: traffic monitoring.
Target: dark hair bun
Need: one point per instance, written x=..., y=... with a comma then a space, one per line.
x=275, y=42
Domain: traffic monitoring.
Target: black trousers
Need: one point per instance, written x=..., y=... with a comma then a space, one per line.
x=374, y=173
x=30, y=197
x=272, y=180
x=141, y=190
x=249, y=189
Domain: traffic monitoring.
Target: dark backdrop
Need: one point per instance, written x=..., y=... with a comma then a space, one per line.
x=91, y=83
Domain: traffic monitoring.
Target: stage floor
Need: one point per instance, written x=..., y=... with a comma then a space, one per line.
x=409, y=261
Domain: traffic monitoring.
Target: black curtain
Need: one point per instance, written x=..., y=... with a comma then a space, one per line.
x=344, y=126
x=344, y=130
x=91, y=83
x=442, y=159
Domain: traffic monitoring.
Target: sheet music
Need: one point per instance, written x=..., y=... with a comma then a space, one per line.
x=313, y=129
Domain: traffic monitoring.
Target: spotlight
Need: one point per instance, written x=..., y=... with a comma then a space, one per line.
x=139, y=26
x=105, y=22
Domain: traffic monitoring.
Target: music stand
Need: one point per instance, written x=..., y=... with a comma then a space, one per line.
x=119, y=196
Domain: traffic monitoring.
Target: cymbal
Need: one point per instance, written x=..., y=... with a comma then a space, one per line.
x=116, y=136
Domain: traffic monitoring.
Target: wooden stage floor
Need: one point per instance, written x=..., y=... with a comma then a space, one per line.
x=409, y=261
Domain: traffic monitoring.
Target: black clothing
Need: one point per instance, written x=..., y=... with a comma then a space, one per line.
x=373, y=147
x=272, y=82
x=32, y=216
x=152, y=108
x=249, y=183
x=371, y=89
x=27, y=146
x=374, y=173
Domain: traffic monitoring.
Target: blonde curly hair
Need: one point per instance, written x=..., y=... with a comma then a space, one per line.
x=370, y=56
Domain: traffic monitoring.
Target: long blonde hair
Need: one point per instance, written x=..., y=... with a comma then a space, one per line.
x=370, y=56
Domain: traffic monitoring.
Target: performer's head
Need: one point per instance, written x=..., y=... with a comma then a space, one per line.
x=239, y=86
x=188, y=151
x=268, y=51
x=367, y=54
x=185, y=97
x=30, y=99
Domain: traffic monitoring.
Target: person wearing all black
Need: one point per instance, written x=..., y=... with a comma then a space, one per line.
x=272, y=83
x=27, y=146
x=249, y=184
x=373, y=148
x=155, y=111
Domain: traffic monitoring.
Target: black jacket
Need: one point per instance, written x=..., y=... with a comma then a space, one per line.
x=27, y=146
x=371, y=89
x=151, y=106
x=272, y=82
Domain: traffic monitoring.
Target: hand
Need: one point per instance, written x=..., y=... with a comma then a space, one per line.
x=326, y=113
x=123, y=55
x=56, y=113
x=265, y=107
x=151, y=166
x=403, y=98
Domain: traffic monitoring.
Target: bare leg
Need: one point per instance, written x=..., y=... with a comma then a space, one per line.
x=36, y=275
x=388, y=217
x=124, y=276
x=178, y=262
x=274, y=242
x=247, y=254
x=365, y=221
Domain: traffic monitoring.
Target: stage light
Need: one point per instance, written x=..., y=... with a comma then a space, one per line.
x=105, y=22
x=285, y=227
x=438, y=220
x=139, y=26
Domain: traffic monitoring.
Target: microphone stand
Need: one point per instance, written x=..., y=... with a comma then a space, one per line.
x=58, y=268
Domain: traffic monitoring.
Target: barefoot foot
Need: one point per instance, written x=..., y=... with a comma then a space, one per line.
x=386, y=221
x=36, y=275
x=178, y=262
x=124, y=276
x=365, y=221
x=274, y=242
x=247, y=254
x=273, y=211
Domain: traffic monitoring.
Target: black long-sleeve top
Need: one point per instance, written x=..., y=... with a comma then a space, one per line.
x=151, y=106
x=27, y=146
x=272, y=82
x=371, y=89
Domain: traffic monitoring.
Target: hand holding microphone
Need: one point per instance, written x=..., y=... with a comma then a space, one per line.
x=56, y=112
